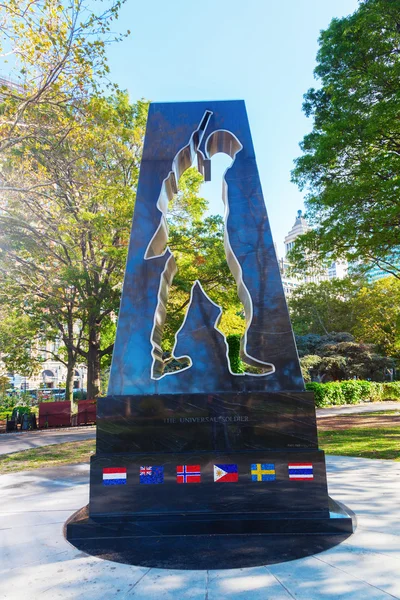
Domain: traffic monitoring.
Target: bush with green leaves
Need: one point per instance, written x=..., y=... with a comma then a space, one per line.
x=5, y=414
x=353, y=391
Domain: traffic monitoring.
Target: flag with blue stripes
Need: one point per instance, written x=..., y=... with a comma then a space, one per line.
x=114, y=476
x=301, y=471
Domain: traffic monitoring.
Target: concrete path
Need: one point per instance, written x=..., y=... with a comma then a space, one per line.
x=36, y=562
x=352, y=409
x=15, y=442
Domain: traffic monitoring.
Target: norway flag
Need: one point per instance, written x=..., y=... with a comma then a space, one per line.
x=188, y=474
x=226, y=473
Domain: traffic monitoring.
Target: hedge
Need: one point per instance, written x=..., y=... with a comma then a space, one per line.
x=353, y=392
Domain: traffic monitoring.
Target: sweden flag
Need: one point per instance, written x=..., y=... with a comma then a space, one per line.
x=263, y=472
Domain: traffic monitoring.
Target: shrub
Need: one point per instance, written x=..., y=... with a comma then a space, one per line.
x=334, y=394
x=353, y=392
x=318, y=389
x=391, y=391
x=5, y=414
x=376, y=391
x=365, y=390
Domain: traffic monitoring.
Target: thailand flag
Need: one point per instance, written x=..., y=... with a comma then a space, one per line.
x=114, y=476
x=188, y=474
x=300, y=471
x=226, y=473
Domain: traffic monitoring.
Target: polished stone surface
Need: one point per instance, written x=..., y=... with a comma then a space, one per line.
x=166, y=431
x=280, y=496
x=206, y=422
x=232, y=542
x=176, y=134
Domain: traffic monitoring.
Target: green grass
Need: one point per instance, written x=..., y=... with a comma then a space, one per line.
x=389, y=413
x=362, y=442
x=48, y=456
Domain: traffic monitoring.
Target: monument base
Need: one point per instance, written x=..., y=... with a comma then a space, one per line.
x=212, y=541
x=207, y=481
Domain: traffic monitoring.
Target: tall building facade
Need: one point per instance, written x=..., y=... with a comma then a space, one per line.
x=52, y=373
x=337, y=269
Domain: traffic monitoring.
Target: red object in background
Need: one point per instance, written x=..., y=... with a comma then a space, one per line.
x=54, y=414
x=86, y=412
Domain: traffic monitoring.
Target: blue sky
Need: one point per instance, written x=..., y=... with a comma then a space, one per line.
x=261, y=50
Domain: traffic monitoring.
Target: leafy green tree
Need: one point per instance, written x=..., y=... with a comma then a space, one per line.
x=4, y=384
x=51, y=117
x=197, y=242
x=351, y=159
x=378, y=315
x=18, y=337
x=57, y=55
x=65, y=225
x=339, y=357
x=324, y=307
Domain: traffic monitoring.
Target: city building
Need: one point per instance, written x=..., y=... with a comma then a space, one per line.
x=375, y=273
x=52, y=373
x=337, y=269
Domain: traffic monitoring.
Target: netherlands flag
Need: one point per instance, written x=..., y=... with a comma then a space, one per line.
x=300, y=471
x=114, y=476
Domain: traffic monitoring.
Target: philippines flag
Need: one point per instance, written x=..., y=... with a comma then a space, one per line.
x=151, y=475
x=226, y=473
x=300, y=471
x=188, y=474
x=114, y=476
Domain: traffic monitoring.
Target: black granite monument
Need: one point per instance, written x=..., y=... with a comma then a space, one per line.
x=227, y=461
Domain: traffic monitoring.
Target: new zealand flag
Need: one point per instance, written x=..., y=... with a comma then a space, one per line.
x=152, y=474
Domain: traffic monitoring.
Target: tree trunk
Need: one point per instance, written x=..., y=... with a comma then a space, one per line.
x=71, y=361
x=69, y=385
x=93, y=362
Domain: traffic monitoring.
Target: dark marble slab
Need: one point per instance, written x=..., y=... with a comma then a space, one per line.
x=206, y=422
x=222, y=542
x=176, y=134
x=208, y=497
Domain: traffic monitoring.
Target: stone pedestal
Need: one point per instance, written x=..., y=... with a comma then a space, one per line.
x=155, y=472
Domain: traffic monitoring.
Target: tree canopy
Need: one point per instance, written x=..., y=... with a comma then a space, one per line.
x=339, y=357
x=69, y=163
x=377, y=307
x=351, y=159
x=197, y=242
x=65, y=223
x=322, y=308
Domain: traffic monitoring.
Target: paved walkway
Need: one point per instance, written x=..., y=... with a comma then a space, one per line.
x=15, y=442
x=36, y=562
x=352, y=409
